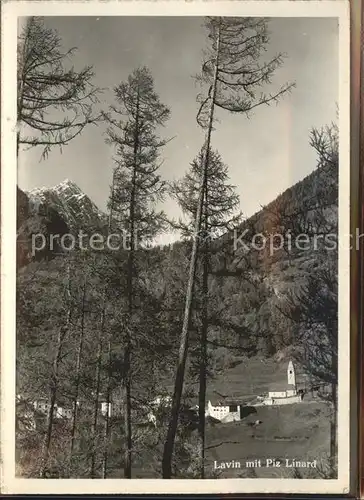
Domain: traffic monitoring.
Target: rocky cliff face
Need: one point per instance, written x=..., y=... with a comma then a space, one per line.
x=73, y=206
x=62, y=209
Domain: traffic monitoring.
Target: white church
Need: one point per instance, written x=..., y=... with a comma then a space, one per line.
x=284, y=395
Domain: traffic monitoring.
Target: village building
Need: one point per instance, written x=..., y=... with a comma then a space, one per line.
x=110, y=409
x=63, y=412
x=225, y=411
x=106, y=409
x=28, y=411
x=234, y=410
x=42, y=405
x=283, y=394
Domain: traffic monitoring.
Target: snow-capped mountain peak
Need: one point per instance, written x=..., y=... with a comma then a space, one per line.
x=66, y=198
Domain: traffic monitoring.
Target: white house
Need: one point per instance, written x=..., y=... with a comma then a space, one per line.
x=63, y=412
x=283, y=401
x=42, y=406
x=223, y=411
x=106, y=409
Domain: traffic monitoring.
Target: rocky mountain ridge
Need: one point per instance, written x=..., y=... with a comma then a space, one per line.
x=65, y=208
x=71, y=203
x=58, y=210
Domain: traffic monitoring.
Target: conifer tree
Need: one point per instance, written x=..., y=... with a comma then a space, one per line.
x=235, y=75
x=138, y=188
x=54, y=103
x=219, y=214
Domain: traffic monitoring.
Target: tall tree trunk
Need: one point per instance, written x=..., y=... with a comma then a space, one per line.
x=78, y=372
x=108, y=385
x=97, y=399
x=107, y=416
x=55, y=382
x=182, y=356
x=203, y=340
x=130, y=280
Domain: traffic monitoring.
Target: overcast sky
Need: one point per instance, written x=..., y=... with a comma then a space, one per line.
x=266, y=153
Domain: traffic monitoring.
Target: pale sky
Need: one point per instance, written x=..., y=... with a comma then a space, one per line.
x=266, y=154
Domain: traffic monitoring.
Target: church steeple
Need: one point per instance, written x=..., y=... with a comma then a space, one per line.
x=291, y=376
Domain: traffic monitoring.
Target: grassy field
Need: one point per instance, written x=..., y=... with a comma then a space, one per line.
x=251, y=377
x=300, y=431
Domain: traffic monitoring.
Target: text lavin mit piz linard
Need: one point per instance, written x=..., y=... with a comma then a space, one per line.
x=268, y=462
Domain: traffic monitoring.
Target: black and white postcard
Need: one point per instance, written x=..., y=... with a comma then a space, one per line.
x=175, y=274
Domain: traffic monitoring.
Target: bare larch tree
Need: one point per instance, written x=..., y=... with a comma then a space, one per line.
x=54, y=103
x=220, y=213
x=236, y=75
x=137, y=188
